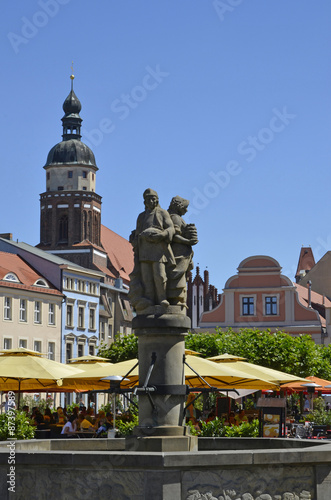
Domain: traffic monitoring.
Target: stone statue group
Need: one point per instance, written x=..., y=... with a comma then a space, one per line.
x=162, y=244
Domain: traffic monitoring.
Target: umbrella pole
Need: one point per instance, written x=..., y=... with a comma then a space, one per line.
x=114, y=415
x=19, y=394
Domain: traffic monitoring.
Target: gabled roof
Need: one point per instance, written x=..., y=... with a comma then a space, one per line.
x=46, y=255
x=306, y=261
x=119, y=251
x=12, y=263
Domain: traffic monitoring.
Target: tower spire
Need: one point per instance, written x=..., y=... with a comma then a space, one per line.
x=71, y=107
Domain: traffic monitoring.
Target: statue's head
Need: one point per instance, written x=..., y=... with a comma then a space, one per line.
x=178, y=205
x=151, y=198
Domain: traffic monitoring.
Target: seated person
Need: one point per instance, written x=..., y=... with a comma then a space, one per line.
x=101, y=419
x=61, y=419
x=240, y=417
x=105, y=425
x=37, y=417
x=70, y=427
x=90, y=415
x=48, y=417
x=84, y=424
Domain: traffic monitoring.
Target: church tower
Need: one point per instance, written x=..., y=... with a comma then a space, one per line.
x=70, y=209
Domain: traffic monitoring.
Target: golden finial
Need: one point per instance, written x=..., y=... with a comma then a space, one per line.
x=72, y=76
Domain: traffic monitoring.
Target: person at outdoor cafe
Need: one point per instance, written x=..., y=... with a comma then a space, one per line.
x=240, y=417
x=106, y=425
x=48, y=417
x=70, y=427
x=37, y=416
x=101, y=419
x=59, y=416
x=89, y=415
x=84, y=424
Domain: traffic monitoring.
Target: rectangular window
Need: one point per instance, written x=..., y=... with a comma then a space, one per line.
x=92, y=319
x=7, y=343
x=81, y=314
x=48, y=176
x=270, y=306
x=70, y=174
x=37, y=312
x=110, y=331
x=51, y=351
x=69, y=315
x=37, y=345
x=68, y=352
x=22, y=343
x=60, y=188
x=248, y=306
x=84, y=174
x=91, y=349
x=51, y=314
x=80, y=350
x=23, y=310
x=102, y=329
x=7, y=308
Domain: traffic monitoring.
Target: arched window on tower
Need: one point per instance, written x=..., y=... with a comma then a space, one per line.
x=89, y=226
x=95, y=230
x=63, y=229
x=84, y=225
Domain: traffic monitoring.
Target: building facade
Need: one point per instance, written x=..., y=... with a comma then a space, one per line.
x=201, y=296
x=30, y=308
x=80, y=295
x=259, y=296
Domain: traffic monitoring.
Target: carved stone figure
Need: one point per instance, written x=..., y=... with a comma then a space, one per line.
x=185, y=236
x=152, y=252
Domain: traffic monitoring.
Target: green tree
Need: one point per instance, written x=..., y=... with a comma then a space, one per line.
x=121, y=349
x=297, y=355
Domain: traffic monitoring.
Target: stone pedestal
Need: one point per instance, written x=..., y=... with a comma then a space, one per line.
x=161, y=349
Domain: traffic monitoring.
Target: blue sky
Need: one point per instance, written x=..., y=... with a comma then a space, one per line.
x=225, y=103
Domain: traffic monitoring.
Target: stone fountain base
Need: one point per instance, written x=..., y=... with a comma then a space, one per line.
x=222, y=469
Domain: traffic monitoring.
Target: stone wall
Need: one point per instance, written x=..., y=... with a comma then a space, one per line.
x=277, y=474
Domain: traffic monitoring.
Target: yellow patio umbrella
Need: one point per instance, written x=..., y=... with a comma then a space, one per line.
x=24, y=370
x=89, y=358
x=213, y=374
x=269, y=374
x=222, y=375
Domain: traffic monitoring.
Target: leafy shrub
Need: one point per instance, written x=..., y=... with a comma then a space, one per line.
x=319, y=415
x=20, y=428
x=245, y=429
x=70, y=408
x=216, y=428
x=126, y=428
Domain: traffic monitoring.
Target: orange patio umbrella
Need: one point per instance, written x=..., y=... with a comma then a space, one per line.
x=321, y=385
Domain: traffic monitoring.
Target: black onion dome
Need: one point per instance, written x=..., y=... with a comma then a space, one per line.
x=71, y=151
x=72, y=104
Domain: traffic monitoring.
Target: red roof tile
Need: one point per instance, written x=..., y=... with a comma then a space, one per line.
x=11, y=263
x=119, y=251
x=316, y=298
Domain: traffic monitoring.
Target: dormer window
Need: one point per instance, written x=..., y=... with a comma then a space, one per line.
x=41, y=282
x=11, y=277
